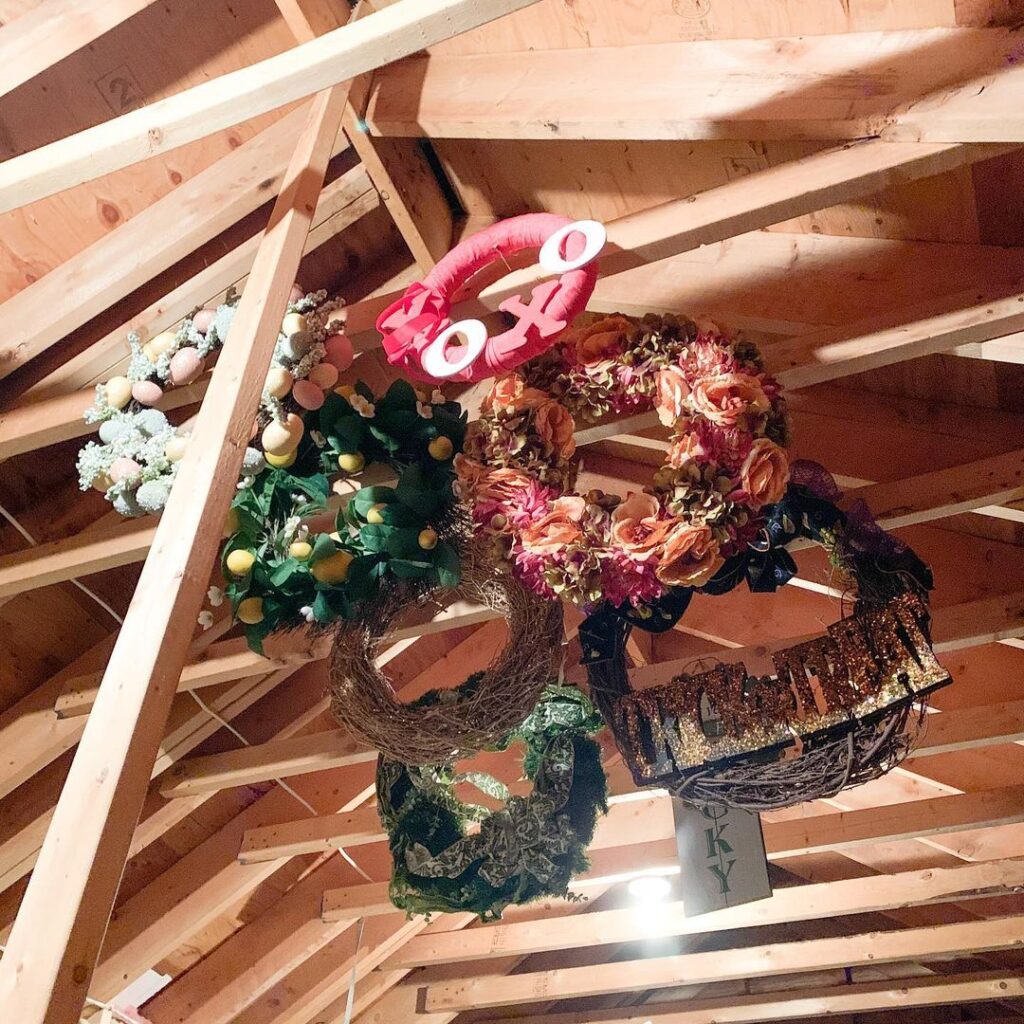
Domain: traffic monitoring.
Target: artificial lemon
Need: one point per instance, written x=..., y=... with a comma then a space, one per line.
x=351, y=462
x=427, y=539
x=300, y=549
x=280, y=461
x=333, y=568
x=441, y=448
x=374, y=514
x=240, y=561
x=250, y=611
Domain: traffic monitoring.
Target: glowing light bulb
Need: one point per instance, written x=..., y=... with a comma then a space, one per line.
x=649, y=889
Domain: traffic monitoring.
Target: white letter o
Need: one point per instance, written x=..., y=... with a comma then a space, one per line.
x=551, y=259
x=435, y=361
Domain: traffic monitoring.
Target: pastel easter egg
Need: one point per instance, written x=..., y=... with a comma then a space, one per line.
x=158, y=345
x=324, y=376
x=279, y=381
x=282, y=438
x=293, y=323
x=175, y=448
x=147, y=392
x=295, y=294
x=308, y=395
x=111, y=430
x=123, y=469
x=151, y=421
x=118, y=391
x=186, y=366
x=203, y=320
x=339, y=352
x=295, y=346
x=153, y=495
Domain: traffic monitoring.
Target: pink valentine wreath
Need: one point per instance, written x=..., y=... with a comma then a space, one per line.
x=410, y=326
x=725, y=464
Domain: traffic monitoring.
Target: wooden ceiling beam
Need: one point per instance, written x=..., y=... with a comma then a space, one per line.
x=53, y=30
x=794, y=903
x=968, y=729
x=809, y=1003
x=941, y=85
x=343, y=54
x=54, y=945
x=154, y=239
x=278, y=759
x=648, y=820
x=941, y=942
x=51, y=410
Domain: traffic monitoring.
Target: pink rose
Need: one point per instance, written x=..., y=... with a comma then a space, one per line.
x=558, y=528
x=636, y=527
x=765, y=472
x=726, y=398
x=672, y=393
x=556, y=428
x=690, y=556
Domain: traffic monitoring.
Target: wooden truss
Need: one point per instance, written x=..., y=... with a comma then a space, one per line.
x=129, y=715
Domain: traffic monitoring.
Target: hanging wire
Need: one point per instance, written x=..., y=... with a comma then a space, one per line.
x=352, y=978
x=81, y=586
x=284, y=785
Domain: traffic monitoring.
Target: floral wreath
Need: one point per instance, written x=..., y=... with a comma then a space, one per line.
x=726, y=464
x=528, y=850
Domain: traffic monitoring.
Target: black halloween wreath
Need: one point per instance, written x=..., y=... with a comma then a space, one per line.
x=529, y=849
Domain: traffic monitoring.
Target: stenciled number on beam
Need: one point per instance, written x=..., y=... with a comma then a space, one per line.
x=419, y=336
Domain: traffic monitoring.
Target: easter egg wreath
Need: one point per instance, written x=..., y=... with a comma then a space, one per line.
x=725, y=465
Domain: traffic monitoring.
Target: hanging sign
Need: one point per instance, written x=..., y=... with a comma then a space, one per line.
x=721, y=850
x=419, y=336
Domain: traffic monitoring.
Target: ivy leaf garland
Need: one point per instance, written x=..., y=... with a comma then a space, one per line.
x=530, y=849
x=403, y=531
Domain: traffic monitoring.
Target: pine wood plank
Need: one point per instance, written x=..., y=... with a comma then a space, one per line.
x=46, y=979
x=221, y=102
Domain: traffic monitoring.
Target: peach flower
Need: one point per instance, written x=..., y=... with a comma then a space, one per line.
x=673, y=390
x=636, y=527
x=685, y=449
x=598, y=340
x=511, y=393
x=556, y=427
x=558, y=528
x=725, y=398
x=487, y=483
x=690, y=556
x=765, y=472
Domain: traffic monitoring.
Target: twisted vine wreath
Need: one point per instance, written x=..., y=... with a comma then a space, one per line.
x=529, y=849
x=460, y=721
x=840, y=710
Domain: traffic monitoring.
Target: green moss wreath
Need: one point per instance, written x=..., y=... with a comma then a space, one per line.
x=528, y=850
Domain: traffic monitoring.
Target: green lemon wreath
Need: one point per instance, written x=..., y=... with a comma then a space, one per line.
x=280, y=575
x=528, y=850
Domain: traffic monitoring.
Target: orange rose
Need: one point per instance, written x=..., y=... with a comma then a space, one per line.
x=725, y=398
x=690, y=556
x=596, y=341
x=670, y=400
x=556, y=427
x=511, y=393
x=559, y=528
x=765, y=472
x=636, y=527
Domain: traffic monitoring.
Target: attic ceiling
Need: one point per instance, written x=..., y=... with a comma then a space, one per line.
x=437, y=146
